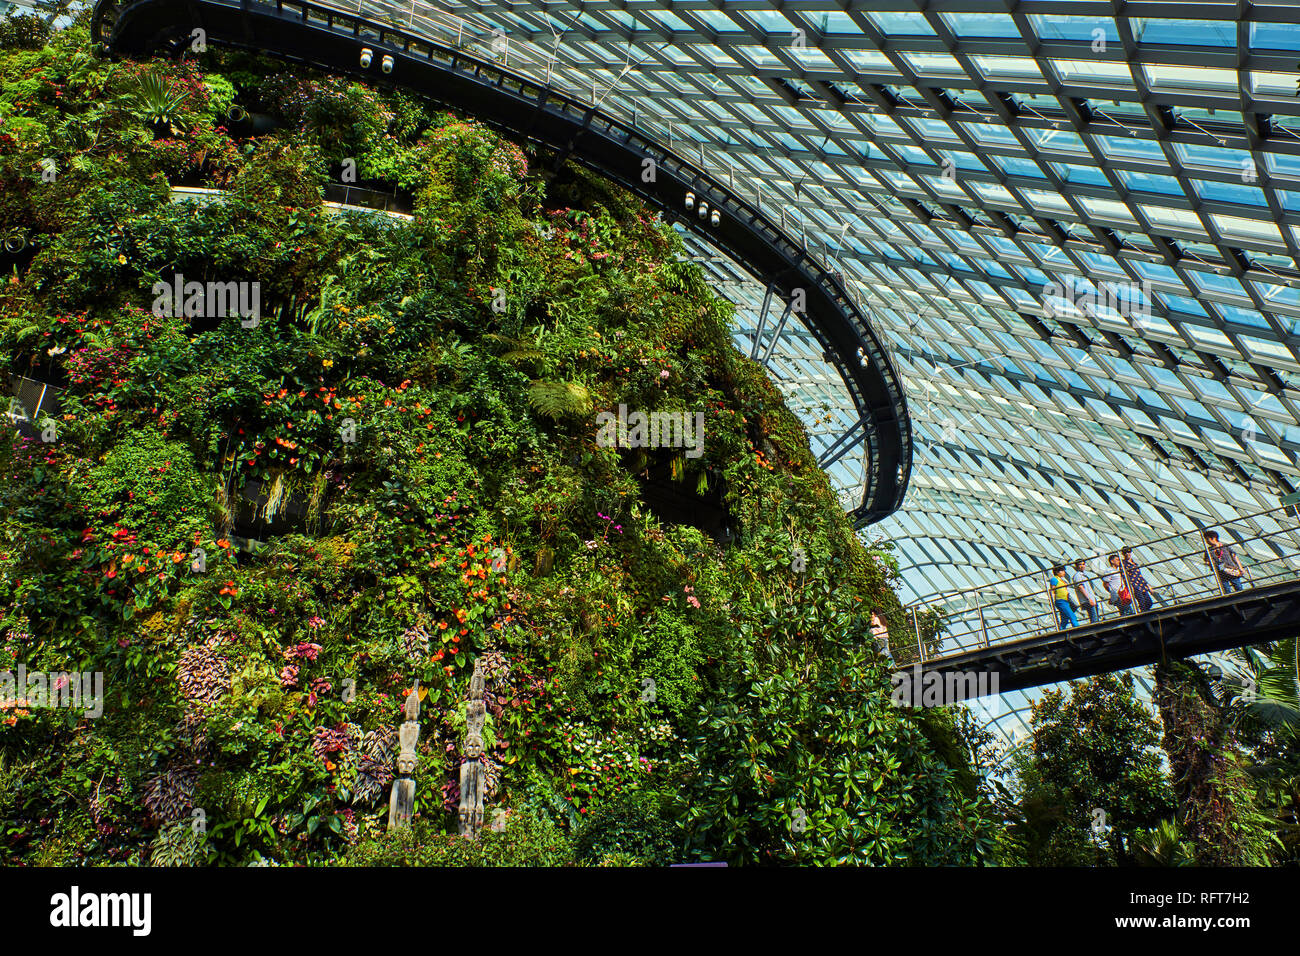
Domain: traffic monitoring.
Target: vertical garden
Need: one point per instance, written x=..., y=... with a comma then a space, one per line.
x=266, y=529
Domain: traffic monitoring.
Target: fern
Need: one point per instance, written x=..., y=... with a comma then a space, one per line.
x=519, y=356
x=558, y=400
x=518, y=351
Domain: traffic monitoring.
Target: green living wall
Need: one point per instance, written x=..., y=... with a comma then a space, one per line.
x=412, y=419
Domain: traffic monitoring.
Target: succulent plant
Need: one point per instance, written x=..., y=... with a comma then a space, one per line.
x=159, y=102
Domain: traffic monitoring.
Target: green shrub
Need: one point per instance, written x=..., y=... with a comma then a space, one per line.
x=527, y=840
x=635, y=829
x=23, y=31
x=152, y=486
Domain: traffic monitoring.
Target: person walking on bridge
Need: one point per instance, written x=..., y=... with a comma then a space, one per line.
x=1087, y=599
x=1137, y=584
x=1120, y=595
x=1226, y=563
x=880, y=631
x=1059, y=590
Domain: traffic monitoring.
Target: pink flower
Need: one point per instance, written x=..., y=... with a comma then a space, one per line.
x=664, y=373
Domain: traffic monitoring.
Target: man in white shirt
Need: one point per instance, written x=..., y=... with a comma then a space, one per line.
x=1087, y=600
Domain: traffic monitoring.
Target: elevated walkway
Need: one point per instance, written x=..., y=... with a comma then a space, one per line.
x=1180, y=606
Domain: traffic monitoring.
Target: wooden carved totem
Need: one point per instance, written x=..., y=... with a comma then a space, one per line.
x=402, y=803
x=471, y=765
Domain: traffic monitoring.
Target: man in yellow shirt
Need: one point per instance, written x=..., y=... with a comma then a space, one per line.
x=1059, y=591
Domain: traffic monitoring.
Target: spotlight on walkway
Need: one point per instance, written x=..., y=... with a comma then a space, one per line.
x=690, y=200
x=714, y=218
x=386, y=64
x=367, y=55
x=704, y=209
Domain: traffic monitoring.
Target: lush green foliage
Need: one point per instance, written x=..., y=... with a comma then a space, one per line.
x=1217, y=808
x=409, y=428
x=635, y=828
x=1091, y=779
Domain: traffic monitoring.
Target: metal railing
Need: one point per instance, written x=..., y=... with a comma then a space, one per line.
x=30, y=399
x=1172, y=571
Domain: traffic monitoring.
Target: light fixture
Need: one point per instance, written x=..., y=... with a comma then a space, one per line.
x=690, y=200
x=714, y=218
x=704, y=209
x=386, y=64
x=367, y=55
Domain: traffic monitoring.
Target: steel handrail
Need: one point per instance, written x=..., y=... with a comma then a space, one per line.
x=1291, y=509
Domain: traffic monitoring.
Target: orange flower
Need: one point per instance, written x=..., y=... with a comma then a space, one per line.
x=128, y=558
x=442, y=625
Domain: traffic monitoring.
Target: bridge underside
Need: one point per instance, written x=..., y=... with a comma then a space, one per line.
x=1250, y=617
